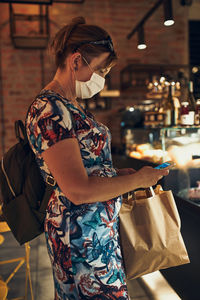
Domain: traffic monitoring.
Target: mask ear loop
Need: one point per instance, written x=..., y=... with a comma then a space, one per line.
x=88, y=64
x=74, y=73
x=74, y=70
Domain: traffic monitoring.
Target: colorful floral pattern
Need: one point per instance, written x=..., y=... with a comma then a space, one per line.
x=82, y=240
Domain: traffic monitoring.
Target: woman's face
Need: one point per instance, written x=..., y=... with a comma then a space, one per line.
x=86, y=70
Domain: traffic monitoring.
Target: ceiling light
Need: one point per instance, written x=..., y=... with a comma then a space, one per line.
x=168, y=13
x=141, y=42
x=169, y=23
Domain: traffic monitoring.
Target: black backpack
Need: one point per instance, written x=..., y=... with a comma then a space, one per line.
x=25, y=193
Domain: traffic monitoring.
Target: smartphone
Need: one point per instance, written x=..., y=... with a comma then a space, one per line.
x=167, y=164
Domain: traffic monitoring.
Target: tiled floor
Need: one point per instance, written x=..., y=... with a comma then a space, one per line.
x=41, y=275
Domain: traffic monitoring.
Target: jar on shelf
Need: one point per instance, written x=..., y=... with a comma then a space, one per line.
x=187, y=116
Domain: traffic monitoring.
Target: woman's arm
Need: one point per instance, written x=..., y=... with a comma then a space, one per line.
x=65, y=163
x=125, y=171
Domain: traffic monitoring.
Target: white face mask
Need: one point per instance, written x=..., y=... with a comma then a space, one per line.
x=91, y=87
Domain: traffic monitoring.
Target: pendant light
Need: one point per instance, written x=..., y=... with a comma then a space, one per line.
x=141, y=41
x=168, y=13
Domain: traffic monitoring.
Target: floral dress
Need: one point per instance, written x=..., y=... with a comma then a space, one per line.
x=82, y=240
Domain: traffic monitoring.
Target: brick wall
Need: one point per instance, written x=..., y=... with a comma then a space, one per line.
x=25, y=72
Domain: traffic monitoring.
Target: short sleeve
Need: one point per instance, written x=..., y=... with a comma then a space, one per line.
x=48, y=122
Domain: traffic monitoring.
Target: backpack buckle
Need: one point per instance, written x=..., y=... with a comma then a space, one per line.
x=50, y=180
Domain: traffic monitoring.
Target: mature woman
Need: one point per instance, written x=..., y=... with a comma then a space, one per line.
x=81, y=226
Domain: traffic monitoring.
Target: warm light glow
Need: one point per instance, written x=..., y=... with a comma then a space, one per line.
x=178, y=85
x=159, y=287
x=150, y=85
x=146, y=152
x=142, y=46
x=131, y=109
x=195, y=70
x=182, y=156
x=109, y=93
x=135, y=154
x=169, y=22
x=162, y=79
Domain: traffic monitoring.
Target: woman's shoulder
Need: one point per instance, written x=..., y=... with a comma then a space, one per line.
x=48, y=109
x=48, y=101
x=48, y=97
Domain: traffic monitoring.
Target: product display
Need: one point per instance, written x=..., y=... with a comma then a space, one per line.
x=172, y=109
x=147, y=152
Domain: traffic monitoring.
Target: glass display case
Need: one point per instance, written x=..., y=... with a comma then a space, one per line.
x=182, y=145
x=179, y=144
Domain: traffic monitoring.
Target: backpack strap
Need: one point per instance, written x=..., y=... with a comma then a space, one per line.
x=46, y=197
x=19, y=126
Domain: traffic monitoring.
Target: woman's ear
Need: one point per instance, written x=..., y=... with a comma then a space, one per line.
x=75, y=61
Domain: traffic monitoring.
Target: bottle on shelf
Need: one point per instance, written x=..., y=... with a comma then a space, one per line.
x=169, y=109
x=192, y=103
x=185, y=118
x=128, y=141
x=197, y=113
x=176, y=106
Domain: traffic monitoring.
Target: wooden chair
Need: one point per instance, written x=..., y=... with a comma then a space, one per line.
x=3, y=290
x=4, y=285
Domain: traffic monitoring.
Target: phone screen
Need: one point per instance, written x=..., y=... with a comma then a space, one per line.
x=166, y=164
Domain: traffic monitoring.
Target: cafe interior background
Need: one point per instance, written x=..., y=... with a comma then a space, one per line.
x=152, y=57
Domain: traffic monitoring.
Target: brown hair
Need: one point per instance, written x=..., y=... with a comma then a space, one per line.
x=76, y=36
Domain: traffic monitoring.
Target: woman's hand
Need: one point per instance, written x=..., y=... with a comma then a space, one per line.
x=148, y=176
x=125, y=171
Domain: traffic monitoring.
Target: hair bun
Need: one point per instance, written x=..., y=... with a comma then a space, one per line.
x=60, y=41
x=78, y=21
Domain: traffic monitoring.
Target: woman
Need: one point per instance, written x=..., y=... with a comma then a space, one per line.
x=81, y=223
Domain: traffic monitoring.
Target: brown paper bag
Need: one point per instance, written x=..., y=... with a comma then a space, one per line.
x=150, y=233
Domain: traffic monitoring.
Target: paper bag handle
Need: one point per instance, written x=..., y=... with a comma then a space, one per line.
x=128, y=197
x=149, y=192
x=132, y=195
